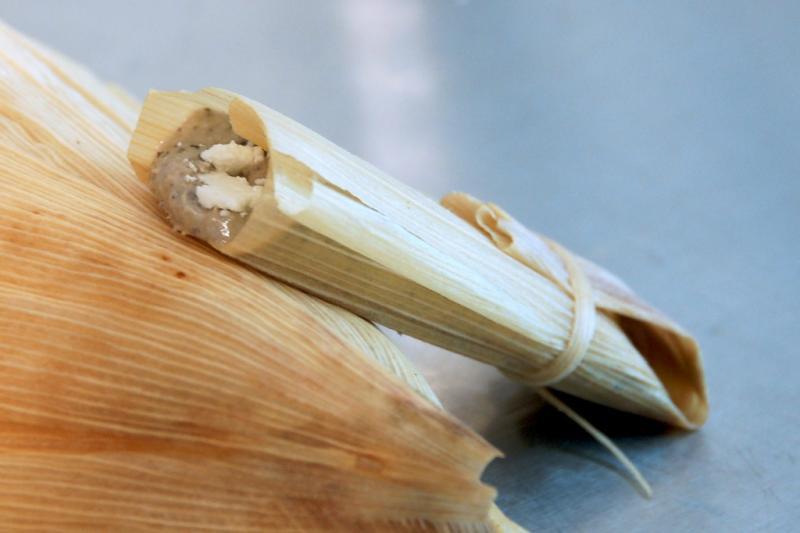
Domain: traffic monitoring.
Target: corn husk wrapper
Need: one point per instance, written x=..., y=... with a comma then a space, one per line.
x=649, y=329
x=370, y=341
x=339, y=228
x=148, y=382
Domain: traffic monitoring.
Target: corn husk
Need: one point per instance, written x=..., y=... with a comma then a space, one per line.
x=373, y=343
x=673, y=353
x=339, y=228
x=148, y=382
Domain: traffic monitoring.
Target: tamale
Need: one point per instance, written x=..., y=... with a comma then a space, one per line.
x=150, y=383
x=263, y=189
x=649, y=329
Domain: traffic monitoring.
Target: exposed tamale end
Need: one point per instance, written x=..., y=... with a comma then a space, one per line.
x=323, y=220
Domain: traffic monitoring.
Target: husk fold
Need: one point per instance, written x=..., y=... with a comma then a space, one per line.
x=148, y=382
x=339, y=228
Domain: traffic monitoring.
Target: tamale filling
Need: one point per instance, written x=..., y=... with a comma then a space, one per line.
x=207, y=178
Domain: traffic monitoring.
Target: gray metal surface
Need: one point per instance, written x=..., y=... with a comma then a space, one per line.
x=659, y=139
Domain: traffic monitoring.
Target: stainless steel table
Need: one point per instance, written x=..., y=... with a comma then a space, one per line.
x=659, y=139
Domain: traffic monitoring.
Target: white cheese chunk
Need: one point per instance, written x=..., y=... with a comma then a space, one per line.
x=233, y=193
x=233, y=158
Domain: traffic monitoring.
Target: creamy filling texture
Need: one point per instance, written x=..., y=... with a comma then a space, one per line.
x=207, y=178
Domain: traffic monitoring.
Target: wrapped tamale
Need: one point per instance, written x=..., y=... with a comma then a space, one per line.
x=150, y=383
x=263, y=189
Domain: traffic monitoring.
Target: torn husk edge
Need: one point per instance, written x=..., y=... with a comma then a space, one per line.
x=339, y=228
x=368, y=340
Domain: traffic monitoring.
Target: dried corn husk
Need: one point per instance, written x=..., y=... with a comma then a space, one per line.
x=370, y=341
x=150, y=383
x=674, y=354
x=339, y=228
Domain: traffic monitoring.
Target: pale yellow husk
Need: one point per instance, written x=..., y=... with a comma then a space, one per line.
x=149, y=382
x=671, y=351
x=339, y=228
